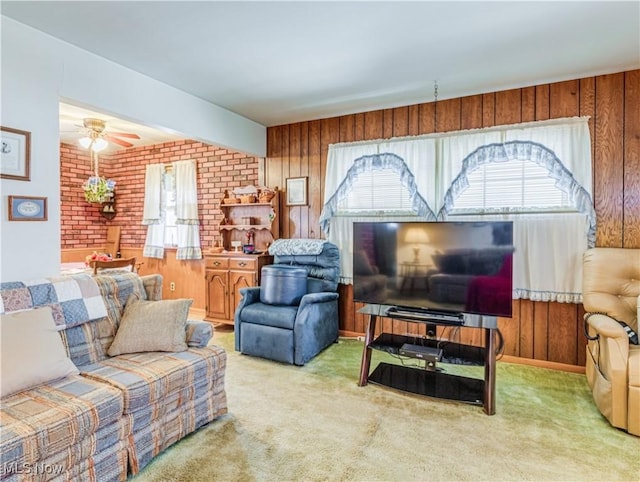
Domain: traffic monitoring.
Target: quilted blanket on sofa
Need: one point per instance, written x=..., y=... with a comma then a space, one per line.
x=73, y=299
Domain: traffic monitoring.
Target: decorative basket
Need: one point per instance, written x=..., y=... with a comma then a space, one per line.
x=248, y=199
x=266, y=196
x=98, y=189
x=231, y=200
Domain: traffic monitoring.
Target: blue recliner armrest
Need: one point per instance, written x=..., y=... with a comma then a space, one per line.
x=249, y=296
x=316, y=325
x=311, y=298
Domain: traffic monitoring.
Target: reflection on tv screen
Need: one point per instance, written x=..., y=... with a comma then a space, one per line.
x=460, y=267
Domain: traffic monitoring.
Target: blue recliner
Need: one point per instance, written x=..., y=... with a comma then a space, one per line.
x=296, y=332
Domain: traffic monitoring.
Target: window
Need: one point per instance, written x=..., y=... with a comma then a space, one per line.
x=375, y=192
x=171, y=210
x=513, y=186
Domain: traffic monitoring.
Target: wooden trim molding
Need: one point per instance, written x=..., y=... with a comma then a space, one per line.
x=543, y=364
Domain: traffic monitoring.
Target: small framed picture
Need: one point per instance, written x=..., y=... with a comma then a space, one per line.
x=15, y=154
x=27, y=208
x=297, y=191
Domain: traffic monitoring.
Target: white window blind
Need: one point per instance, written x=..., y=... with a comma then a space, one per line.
x=515, y=185
x=375, y=191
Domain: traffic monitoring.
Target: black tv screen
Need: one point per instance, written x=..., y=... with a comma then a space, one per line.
x=457, y=267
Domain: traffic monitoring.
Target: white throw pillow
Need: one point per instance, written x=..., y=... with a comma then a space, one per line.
x=31, y=351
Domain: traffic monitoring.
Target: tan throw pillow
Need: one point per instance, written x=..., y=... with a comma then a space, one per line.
x=31, y=351
x=151, y=326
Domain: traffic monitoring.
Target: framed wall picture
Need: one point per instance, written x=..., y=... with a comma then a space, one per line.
x=27, y=208
x=15, y=154
x=297, y=191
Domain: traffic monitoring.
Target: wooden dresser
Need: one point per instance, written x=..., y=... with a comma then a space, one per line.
x=225, y=274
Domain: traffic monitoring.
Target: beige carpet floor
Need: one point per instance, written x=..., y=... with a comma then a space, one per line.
x=314, y=423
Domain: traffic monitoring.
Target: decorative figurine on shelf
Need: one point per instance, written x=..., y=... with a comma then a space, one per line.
x=249, y=247
x=217, y=247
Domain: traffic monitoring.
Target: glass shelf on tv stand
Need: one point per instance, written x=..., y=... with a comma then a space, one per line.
x=432, y=382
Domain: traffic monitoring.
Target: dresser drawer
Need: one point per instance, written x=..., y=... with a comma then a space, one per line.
x=248, y=264
x=217, y=263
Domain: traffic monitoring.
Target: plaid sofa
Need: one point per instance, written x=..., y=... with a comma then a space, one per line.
x=109, y=421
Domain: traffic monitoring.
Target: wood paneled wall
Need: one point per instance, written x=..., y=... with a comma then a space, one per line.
x=541, y=331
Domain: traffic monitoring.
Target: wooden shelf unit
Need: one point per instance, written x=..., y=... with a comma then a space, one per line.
x=234, y=227
x=229, y=271
x=108, y=208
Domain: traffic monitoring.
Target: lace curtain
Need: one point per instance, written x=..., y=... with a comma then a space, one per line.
x=414, y=160
x=187, y=210
x=547, y=262
x=549, y=246
x=152, y=215
x=188, y=225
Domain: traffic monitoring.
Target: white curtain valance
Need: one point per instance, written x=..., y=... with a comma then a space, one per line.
x=379, y=162
x=439, y=158
x=524, y=150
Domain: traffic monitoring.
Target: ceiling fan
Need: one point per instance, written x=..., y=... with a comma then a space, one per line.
x=97, y=136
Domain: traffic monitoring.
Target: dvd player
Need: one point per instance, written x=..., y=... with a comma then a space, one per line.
x=420, y=351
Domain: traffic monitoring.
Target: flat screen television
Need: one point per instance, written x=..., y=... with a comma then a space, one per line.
x=450, y=267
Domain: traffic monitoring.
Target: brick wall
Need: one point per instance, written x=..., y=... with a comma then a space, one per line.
x=81, y=224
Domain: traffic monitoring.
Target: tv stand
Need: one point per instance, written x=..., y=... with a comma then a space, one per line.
x=430, y=381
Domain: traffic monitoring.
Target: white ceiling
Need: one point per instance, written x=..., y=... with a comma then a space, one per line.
x=71, y=128
x=284, y=62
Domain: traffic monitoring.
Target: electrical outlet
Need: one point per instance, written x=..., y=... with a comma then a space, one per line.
x=172, y=286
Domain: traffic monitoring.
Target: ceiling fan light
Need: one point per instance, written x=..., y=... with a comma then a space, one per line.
x=99, y=145
x=85, y=142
